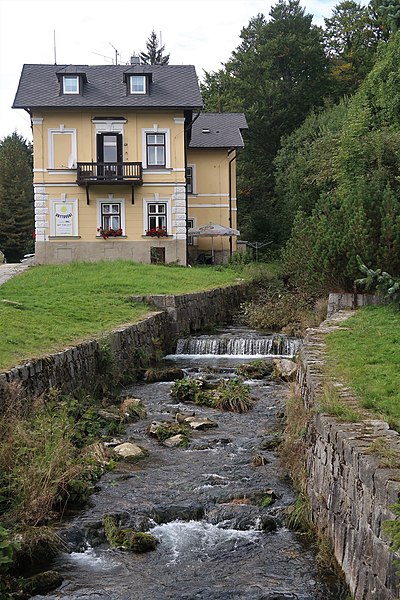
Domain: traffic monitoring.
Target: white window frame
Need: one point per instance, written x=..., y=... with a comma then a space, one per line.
x=71, y=78
x=143, y=78
x=62, y=131
x=156, y=199
x=110, y=200
x=155, y=130
x=156, y=145
x=194, y=187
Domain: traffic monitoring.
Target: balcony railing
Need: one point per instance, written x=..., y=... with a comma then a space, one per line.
x=109, y=172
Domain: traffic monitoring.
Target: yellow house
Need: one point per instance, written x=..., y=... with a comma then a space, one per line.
x=125, y=162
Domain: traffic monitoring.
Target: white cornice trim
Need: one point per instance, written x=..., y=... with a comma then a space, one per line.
x=46, y=185
x=208, y=205
x=37, y=121
x=212, y=195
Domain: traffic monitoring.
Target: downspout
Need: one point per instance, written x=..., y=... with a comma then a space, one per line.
x=187, y=127
x=230, y=196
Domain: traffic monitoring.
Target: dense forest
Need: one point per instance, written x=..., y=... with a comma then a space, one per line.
x=319, y=177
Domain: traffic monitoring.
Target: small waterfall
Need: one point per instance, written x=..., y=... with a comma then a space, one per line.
x=234, y=345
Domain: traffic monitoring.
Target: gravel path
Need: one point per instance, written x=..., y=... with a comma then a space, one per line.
x=9, y=270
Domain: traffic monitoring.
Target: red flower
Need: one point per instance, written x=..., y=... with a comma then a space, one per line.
x=106, y=233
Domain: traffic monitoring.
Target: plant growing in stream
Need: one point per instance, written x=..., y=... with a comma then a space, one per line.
x=128, y=538
x=233, y=395
x=257, y=369
x=187, y=389
x=166, y=429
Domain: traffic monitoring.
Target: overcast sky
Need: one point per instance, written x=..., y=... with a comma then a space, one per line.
x=198, y=32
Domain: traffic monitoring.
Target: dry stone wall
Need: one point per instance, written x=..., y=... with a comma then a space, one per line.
x=80, y=367
x=349, y=489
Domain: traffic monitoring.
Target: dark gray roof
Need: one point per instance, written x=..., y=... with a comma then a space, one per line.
x=218, y=130
x=173, y=86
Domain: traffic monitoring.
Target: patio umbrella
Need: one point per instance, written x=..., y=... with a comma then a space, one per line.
x=212, y=230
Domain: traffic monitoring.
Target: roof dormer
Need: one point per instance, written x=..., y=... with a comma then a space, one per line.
x=71, y=80
x=138, y=80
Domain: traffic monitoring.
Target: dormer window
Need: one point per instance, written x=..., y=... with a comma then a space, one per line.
x=138, y=84
x=72, y=81
x=71, y=84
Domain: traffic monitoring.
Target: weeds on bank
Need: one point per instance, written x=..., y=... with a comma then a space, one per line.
x=293, y=452
x=329, y=402
x=294, y=444
x=275, y=307
x=44, y=464
x=392, y=529
x=388, y=457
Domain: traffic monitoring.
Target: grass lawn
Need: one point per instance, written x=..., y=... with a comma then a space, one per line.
x=59, y=305
x=366, y=355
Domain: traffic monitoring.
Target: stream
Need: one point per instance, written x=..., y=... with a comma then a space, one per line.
x=203, y=503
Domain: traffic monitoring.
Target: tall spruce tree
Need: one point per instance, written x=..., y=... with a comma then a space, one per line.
x=154, y=54
x=276, y=76
x=16, y=197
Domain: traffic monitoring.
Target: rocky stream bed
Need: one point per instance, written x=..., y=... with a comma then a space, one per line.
x=217, y=508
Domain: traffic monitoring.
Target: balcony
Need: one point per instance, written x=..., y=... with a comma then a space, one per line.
x=109, y=173
x=93, y=173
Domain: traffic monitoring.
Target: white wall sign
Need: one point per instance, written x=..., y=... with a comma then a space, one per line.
x=64, y=221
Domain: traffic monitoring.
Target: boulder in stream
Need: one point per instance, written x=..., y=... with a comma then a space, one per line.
x=129, y=451
x=176, y=441
x=284, y=369
x=197, y=423
x=133, y=409
x=42, y=583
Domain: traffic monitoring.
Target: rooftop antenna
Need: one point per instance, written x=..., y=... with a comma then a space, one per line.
x=116, y=53
x=54, y=44
x=106, y=57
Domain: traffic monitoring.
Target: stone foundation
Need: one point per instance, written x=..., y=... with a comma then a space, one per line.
x=349, y=491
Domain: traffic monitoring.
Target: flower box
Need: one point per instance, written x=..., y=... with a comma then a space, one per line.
x=157, y=232
x=107, y=233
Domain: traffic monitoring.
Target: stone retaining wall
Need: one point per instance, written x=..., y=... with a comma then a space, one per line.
x=80, y=367
x=349, y=489
x=346, y=300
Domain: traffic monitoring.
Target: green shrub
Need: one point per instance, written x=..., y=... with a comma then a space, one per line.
x=277, y=308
